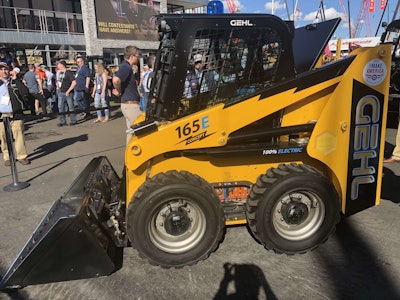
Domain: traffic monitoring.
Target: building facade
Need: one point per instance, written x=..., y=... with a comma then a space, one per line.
x=44, y=31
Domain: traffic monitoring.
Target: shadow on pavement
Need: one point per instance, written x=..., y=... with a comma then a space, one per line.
x=388, y=150
x=49, y=169
x=16, y=294
x=392, y=120
x=390, y=188
x=117, y=114
x=243, y=281
x=356, y=271
x=55, y=146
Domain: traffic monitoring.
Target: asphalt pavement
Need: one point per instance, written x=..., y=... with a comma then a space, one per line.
x=360, y=261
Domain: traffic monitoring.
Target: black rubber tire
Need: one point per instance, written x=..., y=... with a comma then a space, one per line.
x=192, y=218
x=292, y=209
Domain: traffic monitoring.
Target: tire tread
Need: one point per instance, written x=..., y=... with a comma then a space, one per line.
x=165, y=179
x=265, y=182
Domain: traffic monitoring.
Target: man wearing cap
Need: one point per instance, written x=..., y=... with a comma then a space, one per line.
x=193, y=77
x=65, y=85
x=15, y=72
x=11, y=105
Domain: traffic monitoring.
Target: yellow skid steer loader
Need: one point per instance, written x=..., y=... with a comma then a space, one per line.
x=243, y=128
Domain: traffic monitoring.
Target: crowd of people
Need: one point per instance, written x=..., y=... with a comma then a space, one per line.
x=53, y=92
x=66, y=93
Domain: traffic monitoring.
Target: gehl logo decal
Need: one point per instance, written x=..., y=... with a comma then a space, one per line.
x=365, y=142
x=241, y=23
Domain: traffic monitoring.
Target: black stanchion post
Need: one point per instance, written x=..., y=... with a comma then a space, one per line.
x=16, y=185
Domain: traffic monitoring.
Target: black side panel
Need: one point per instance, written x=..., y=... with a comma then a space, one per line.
x=309, y=43
x=364, y=148
x=73, y=240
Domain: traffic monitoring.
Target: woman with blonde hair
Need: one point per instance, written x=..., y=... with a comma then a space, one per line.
x=99, y=92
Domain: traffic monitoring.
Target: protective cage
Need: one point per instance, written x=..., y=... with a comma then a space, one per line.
x=234, y=62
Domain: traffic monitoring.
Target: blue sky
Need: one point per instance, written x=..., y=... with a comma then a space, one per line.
x=333, y=9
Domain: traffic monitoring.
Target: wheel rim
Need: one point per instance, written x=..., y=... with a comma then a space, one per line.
x=298, y=215
x=177, y=226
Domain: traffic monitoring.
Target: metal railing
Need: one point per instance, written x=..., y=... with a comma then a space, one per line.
x=38, y=20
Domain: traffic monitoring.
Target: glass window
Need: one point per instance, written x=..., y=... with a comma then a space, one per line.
x=21, y=3
x=42, y=4
x=228, y=64
x=72, y=6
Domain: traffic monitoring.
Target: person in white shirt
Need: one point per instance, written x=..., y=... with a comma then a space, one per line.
x=144, y=85
x=11, y=106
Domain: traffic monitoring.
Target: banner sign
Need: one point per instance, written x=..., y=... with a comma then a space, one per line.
x=383, y=4
x=371, y=5
x=127, y=20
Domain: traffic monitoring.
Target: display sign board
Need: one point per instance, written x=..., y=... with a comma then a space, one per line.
x=34, y=56
x=127, y=20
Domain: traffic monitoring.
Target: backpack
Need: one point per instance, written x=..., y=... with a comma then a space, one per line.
x=24, y=94
x=18, y=96
x=22, y=88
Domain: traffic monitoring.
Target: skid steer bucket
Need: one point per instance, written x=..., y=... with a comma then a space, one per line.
x=78, y=237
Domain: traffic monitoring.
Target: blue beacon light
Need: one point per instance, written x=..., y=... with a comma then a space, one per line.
x=215, y=7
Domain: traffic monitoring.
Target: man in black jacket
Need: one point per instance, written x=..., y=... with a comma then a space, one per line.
x=12, y=91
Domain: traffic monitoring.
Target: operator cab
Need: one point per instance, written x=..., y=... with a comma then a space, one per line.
x=205, y=60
